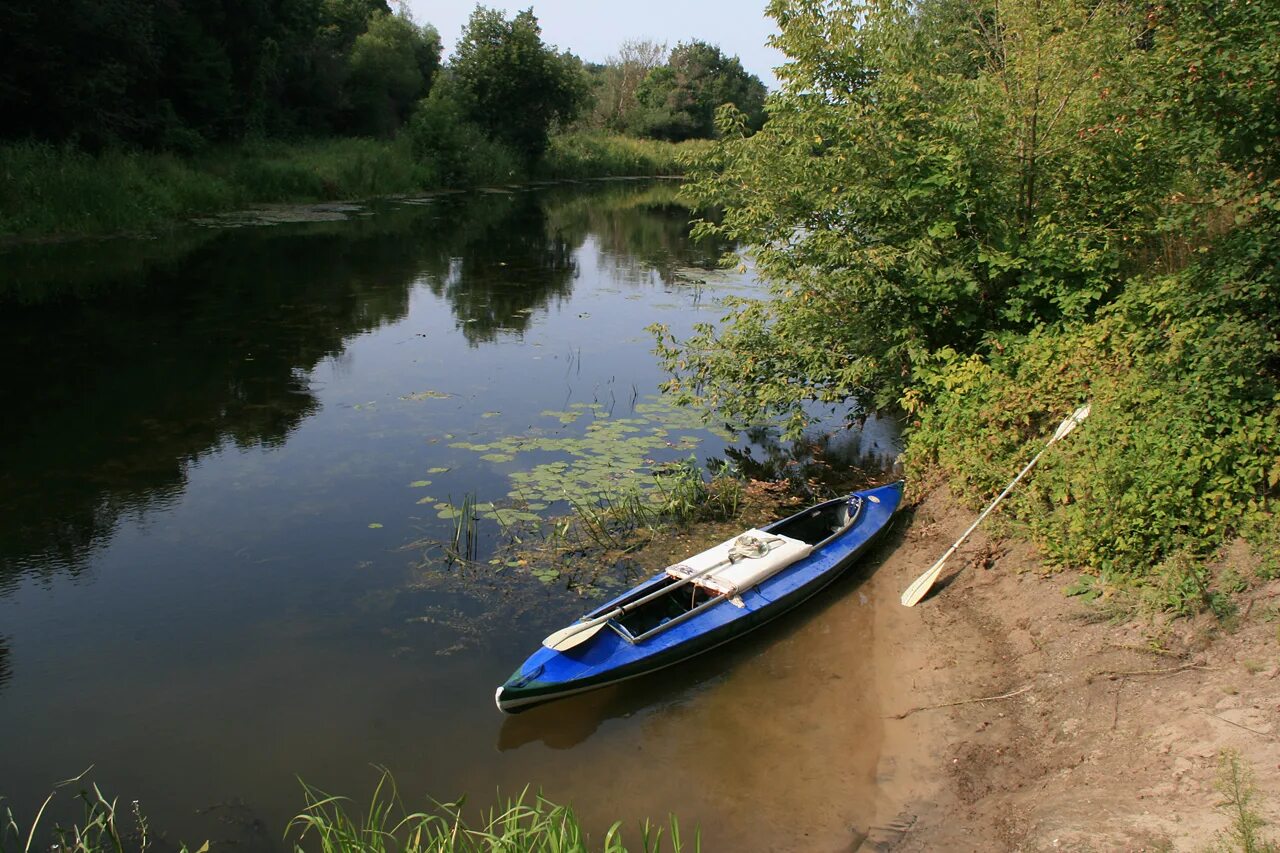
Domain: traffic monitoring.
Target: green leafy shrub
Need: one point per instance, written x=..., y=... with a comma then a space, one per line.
x=991, y=223
x=454, y=150
x=595, y=155
x=1182, y=450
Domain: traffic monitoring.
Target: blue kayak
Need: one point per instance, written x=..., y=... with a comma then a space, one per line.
x=704, y=601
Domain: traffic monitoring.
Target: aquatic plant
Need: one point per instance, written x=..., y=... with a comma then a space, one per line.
x=611, y=455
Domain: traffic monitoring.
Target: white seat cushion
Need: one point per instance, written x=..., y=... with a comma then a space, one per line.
x=743, y=572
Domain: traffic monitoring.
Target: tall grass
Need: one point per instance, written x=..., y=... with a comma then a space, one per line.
x=525, y=824
x=679, y=496
x=59, y=190
x=101, y=828
x=46, y=189
x=596, y=155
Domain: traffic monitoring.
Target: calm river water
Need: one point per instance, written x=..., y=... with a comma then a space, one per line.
x=221, y=450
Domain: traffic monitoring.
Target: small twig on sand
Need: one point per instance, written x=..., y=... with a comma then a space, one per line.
x=906, y=714
x=1113, y=674
x=1266, y=735
x=1146, y=650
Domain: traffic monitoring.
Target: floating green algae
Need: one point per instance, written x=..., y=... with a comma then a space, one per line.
x=610, y=454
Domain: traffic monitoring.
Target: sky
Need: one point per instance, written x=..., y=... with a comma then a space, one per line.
x=594, y=29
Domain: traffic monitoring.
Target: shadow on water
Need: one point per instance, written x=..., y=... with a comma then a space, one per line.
x=566, y=723
x=129, y=360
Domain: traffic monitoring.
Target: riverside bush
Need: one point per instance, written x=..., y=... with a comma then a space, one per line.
x=593, y=155
x=992, y=220
x=60, y=190
x=1182, y=451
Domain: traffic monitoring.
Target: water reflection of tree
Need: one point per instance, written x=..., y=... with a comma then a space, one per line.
x=123, y=370
x=502, y=266
x=6, y=671
x=638, y=228
x=113, y=394
x=821, y=462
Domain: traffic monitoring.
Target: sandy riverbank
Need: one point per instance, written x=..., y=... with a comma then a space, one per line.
x=1111, y=733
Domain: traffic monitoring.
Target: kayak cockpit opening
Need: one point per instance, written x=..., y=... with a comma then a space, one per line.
x=677, y=603
x=726, y=571
x=815, y=526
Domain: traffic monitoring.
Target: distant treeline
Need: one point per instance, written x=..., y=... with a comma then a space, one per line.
x=182, y=76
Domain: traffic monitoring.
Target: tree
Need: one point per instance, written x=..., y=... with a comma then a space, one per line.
x=679, y=99
x=931, y=175
x=619, y=79
x=76, y=69
x=391, y=66
x=512, y=85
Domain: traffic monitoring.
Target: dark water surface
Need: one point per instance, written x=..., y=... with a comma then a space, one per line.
x=217, y=445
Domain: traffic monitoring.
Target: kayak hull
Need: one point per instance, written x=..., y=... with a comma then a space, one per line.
x=613, y=654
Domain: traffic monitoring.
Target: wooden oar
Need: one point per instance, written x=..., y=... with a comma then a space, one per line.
x=579, y=632
x=922, y=584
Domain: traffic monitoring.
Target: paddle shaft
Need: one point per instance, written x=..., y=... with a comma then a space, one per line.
x=1009, y=488
x=917, y=590
x=557, y=640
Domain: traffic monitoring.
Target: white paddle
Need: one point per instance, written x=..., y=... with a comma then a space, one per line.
x=579, y=632
x=922, y=584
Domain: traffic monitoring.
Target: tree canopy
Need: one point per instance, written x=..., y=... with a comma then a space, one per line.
x=511, y=84
x=678, y=100
x=178, y=75
x=617, y=81
x=988, y=211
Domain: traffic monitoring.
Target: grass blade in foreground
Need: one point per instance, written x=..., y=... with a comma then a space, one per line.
x=332, y=825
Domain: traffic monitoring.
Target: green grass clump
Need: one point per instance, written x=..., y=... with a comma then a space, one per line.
x=679, y=495
x=522, y=825
x=60, y=190
x=597, y=155
x=331, y=824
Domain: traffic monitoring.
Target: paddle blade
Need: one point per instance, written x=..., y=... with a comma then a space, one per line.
x=1073, y=421
x=574, y=635
x=921, y=585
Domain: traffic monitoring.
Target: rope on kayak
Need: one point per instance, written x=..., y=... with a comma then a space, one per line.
x=748, y=546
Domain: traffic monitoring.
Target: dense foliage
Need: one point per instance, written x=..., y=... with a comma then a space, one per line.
x=177, y=75
x=221, y=84
x=510, y=84
x=678, y=100
x=991, y=210
x=646, y=91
